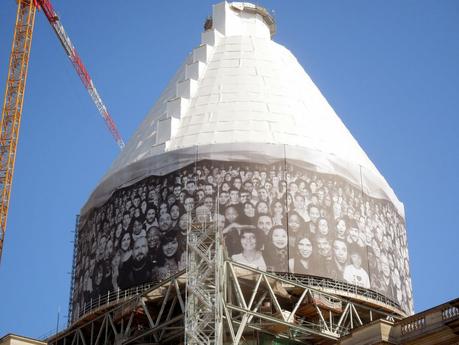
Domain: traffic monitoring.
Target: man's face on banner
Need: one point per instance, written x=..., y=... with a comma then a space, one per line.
x=140, y=249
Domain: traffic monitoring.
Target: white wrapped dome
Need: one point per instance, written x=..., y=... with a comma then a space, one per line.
x=239, y=86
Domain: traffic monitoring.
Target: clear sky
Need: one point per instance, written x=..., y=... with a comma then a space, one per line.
x=390, y=69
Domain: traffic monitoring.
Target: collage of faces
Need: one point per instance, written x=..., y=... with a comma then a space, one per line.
x=277, y=218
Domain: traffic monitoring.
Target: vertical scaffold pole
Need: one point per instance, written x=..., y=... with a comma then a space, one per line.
x=203, y=316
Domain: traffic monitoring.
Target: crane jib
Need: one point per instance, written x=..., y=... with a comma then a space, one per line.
x=80, y=68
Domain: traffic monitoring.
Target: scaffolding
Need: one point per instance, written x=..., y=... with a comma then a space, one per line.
x=74, y=264
x=203, y=316
x=218, y=301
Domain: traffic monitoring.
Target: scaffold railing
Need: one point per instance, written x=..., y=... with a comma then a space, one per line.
x=155, y=314
x=111, y=298
x=116, y=296
x=340, y=287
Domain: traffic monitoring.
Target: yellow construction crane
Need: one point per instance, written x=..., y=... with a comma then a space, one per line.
x=15, y=89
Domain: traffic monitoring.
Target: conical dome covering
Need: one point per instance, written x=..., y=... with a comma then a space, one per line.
x=239, y=86
x=243, y=124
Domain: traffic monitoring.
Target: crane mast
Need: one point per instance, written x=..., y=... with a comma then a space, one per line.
x=12, y=104
x=15, y=88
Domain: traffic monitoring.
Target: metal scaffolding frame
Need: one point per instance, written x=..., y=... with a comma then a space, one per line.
x=154, y=316
x=288, y=309
x=203, y=318
x=73, y=272
x=218, y=301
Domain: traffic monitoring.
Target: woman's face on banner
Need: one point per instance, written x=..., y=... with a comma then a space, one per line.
x=341, y=227
x=119, y=230
x=175, y=212
x=249, y=210
x=163, y=208
x=289, y=199
x=294, y=223
x=225, y=187
x=209, y=202
x=293, y=188
x=302, y=186
x=143, y=206
x=262, y=208
x=126, y=242
x=305, y=247
x=200, y=194
x=170, y=248
x=277, y=208
x=237, y=183
x=183, y=222
x=280, y=238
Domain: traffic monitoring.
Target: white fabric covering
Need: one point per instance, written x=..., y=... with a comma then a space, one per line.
x=241, y=87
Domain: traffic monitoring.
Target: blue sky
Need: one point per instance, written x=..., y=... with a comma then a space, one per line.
x=389, y=69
